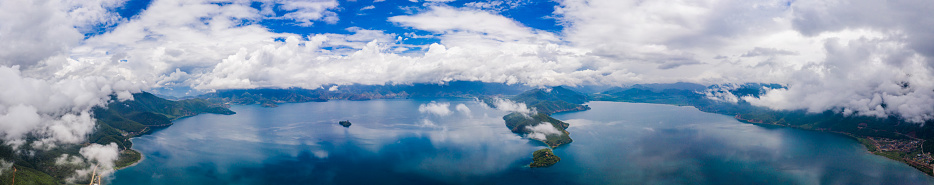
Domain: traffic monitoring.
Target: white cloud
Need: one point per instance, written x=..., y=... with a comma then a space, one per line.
x=463, y=109
x=217, y=52
x=537, y=136
x=722, y=93
x=440, y=109
x=90, y=14
x=56, y=112
x=831, y=55
x=33, y=31
x=545, y=128
x=5, y=165
x=511, y=106
x=449, y=20
x=541, y=131
x=103, y=156
x=303, y=12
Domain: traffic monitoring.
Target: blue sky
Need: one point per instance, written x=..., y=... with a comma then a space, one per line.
x=373, y=15
x=535, y=14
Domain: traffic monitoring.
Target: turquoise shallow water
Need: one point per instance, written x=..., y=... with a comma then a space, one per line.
x=392, y=142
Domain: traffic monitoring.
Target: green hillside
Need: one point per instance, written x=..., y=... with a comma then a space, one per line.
x=553, y=100
x=520, y=123
x=116, y=123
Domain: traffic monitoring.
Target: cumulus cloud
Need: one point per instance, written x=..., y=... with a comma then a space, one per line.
x=440, y=109
x=39, y=99
x=877, y=76
x=103, y=156
x=97, y=159
x=210, y=46
x=53, y=111
x=511, y=106
x=832, y=55
x=722, y=93
x=33, y=31
x=448, y=20
x=303, y=12
x=542, y=130
x=463, y=109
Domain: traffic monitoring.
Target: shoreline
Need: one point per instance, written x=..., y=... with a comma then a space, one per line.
x=141, y=158
x=868, y=147
x=865, y=142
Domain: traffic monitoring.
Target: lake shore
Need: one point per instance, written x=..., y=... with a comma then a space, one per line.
x=134, y=163
x=869, y=144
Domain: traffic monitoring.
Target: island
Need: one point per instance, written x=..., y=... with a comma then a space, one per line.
x=543, y=158
x=345, y=123
x=538, y=124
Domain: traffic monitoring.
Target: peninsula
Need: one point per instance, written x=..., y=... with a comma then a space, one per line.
x=117, y=122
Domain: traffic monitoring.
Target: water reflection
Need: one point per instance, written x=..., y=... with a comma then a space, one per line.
x=680, y=145
x=462, y=141
x=389, y=140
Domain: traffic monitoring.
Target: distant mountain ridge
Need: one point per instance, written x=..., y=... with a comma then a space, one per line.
x=862, y=128
x=553, y=100
x=144, y=112
x=272, y=96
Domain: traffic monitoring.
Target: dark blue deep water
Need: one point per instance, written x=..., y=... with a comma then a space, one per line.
x=392, y=142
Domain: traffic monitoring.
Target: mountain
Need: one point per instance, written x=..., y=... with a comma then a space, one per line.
x=116, y=123
x=553, y=100
x=866, y=129
x=531, y=126
x=121, y=120
x=540, y=125
x=271, y=96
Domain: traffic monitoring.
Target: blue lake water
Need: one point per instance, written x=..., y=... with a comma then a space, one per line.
x=392, y=142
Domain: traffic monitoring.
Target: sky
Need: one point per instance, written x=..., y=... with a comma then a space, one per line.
x=60, y=58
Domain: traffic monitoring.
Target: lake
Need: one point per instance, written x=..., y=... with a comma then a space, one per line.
x=394, y=142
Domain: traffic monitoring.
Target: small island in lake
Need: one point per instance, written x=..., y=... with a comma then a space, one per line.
x=543, y=158
x=345, y=123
